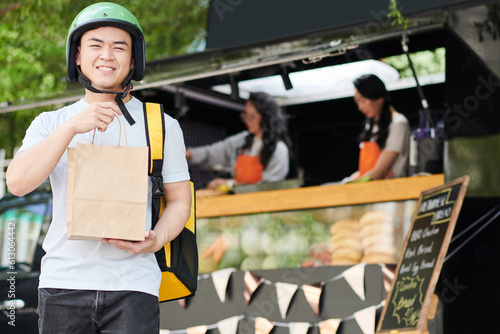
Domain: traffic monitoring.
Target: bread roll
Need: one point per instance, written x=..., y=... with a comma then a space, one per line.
x=347, y=253
x=350, y=224
x=344, y=234
x=377, y=239
x=381, y=248
x=378, y=258
x=343, y=262
x=353, y=243
x=385, y=228
x=373, y=217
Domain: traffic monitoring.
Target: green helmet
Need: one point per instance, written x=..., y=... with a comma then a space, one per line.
x=100, y=15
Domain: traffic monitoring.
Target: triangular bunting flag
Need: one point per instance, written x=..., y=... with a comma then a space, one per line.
x=220, y=279
x=312, y=292
x=263, y=326
x=329, y=326
x=366, y=319
x=299, y=327
x=388, y=277
x=228, y=326
x=355, y=277
x=197, y=330
x=285, y=292
x=252, y=282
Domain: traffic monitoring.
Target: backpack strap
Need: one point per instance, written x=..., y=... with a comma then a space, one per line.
x=155, y=134
x=178, y=260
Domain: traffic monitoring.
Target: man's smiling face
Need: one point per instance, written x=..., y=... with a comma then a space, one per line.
x=105, y=57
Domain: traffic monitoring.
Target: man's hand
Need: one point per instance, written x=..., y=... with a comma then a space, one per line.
x=151, y=244
x=96, y=116
x=23, y=178
x=171, y=222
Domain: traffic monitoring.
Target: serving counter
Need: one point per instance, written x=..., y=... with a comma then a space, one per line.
x=399, y=189
x=295, y=227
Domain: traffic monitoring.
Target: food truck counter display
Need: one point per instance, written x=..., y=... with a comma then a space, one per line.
x=312, y=226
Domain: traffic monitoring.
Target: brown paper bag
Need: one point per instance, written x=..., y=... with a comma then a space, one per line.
x=107, y=192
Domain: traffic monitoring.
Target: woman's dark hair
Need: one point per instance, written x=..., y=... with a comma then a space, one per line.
x=273, y=124
x=371, y=87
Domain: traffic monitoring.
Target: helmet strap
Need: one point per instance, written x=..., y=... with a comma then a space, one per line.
x=119, y=95
x=128, y=78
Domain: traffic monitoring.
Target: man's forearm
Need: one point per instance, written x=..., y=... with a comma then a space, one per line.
x=30, y=168
x=172, y=222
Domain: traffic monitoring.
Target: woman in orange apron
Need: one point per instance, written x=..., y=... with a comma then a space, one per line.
x=384, y=140
x=259, y=154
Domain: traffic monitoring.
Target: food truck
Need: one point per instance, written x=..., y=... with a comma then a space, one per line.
x=278, y=269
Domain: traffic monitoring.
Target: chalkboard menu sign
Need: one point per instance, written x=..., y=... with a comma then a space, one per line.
x=422, y=257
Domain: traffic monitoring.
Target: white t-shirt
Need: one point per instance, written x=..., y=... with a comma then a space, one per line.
x=398, y=141
x=93, y=265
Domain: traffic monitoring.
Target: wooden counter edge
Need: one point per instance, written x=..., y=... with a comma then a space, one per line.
x=317, y=197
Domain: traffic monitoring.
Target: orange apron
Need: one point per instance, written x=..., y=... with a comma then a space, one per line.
x=368, y=157
x=247, y=169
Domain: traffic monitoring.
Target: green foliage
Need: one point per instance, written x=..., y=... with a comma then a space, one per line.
x=33, y=46
x=170, y=26
x=396, y=15
x=424, y=62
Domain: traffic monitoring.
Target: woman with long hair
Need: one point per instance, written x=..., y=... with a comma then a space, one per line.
x=384, y=141
x=261, y=153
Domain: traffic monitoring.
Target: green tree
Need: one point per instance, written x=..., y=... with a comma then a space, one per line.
x=424, y=62
x=33, y=47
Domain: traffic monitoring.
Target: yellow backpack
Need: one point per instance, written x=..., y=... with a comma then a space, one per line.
x=178, y=260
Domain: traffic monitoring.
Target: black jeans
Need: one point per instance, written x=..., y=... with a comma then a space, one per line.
x=64, y=311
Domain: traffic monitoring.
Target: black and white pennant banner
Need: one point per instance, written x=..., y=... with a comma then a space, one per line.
x=285, y=293
x=220, y=279
x=263, y=326
x=299, y=327
x=329, y=326
x=229, y=325
x=366, y=319
x=355, y=277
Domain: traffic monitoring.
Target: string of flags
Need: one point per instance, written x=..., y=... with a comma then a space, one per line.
x=354, y=276
x=285, y=292
x=365, y=319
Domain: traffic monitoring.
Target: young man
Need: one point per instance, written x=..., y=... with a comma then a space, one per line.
x=106, y=286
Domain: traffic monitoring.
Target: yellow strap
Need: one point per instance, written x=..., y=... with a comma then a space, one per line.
x=155, y=130
x=171, y=287
x=190, y=224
